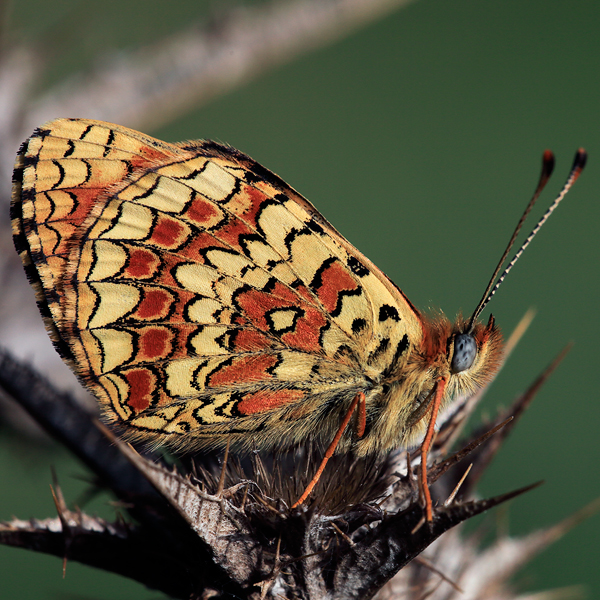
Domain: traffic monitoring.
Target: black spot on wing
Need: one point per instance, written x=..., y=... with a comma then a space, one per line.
x=85, y=132
x=224, y=340
x=40, y=133
x=23, y=148
x=129, y=167
x=194, y=173
x=358, y=325
x=70, y=149
x=88, y=173
x=340, y=303
x=250, y=177
x=292, y=235
x=388, y=312
x=357, y=267
x=17, y=181
x=314, y=226
x=30, y=160
x=245, y=240
x=28, y=195
x=344, y=351
x=19, y=239
x=272, y=369
x=191, y=350
x=61, y=172
x=184, y=426
x=109, y=142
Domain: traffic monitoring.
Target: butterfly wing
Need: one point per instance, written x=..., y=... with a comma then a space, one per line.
x=196, y=293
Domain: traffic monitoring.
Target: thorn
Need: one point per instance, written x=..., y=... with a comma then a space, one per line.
x=221, y=485
x=457, y=487
x=266, y=584
x=442, y=467
x=344, y=536
x=418, y=525
x=518, y=332
x=62, y=510
x=428, y=565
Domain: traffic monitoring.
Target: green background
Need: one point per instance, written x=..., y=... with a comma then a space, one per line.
x=419, y=138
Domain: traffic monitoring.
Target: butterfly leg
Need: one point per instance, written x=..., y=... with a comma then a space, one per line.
x=437, y=401
x=359, y=401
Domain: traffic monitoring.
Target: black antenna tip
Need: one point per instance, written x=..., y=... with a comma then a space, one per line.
x=580, y=160
x=547, y=164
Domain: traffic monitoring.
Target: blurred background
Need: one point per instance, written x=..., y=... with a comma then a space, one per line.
x=417, y=129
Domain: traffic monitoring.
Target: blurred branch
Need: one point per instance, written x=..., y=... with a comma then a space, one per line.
x=156, y=84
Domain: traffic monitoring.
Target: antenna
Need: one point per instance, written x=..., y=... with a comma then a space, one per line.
x=547, y=168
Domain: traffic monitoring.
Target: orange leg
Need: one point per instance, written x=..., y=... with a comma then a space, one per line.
x=359, y=401
x=362, y=415
x=437, y=401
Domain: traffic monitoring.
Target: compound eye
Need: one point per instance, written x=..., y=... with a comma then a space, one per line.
x=465, y=351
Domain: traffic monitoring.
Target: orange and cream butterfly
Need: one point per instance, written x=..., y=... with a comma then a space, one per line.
x=205, y=302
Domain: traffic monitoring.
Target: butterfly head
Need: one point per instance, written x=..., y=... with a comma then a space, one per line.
x=466, y=357
x=473, y=354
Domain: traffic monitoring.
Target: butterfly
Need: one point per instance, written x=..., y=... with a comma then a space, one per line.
x=205, y=302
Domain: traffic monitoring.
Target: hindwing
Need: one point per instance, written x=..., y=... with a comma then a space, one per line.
x=194, y=291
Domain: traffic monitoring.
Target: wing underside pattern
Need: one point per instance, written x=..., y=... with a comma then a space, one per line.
x=195, y=292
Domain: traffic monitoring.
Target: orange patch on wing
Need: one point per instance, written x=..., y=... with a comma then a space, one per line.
x=251, y=201
x=86, y=199
x=167, y=232
x=154, y=343
x=230, y=232
x=305, y=293
x=247, y=340
x=307, y=332
x=334, y=279
x=244, y=369
x=178, y=308
x=142, y=263
x=201, y=211
x=254, y=304
x=68, y=218
x=155, y=304
x=149, y=157
x=267, y=400
x=141, y=383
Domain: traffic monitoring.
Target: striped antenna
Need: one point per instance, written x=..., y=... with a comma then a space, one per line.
x=547, y=168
